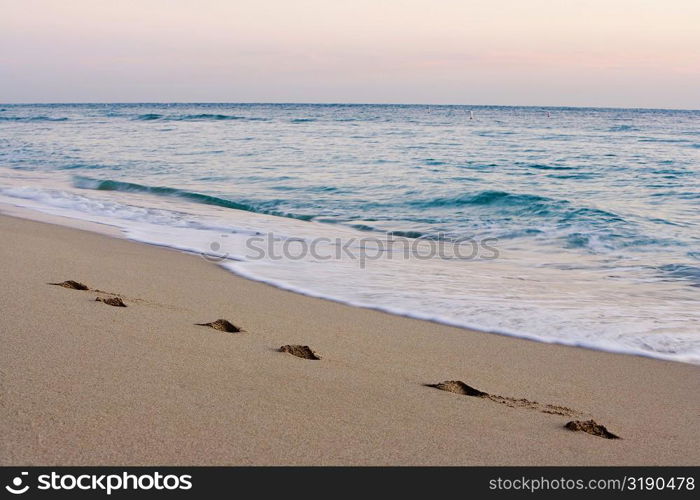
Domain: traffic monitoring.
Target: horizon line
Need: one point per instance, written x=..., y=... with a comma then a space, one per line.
x=304, y=103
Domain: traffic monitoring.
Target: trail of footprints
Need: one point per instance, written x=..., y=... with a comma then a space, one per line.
x=453, y=386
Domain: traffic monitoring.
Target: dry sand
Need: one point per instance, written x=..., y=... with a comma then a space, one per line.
x=85, y=383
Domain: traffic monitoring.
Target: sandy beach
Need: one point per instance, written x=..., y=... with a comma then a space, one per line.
x=84, y=383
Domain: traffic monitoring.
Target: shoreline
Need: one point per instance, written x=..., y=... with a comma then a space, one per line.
x=105, y=228
x=84, y=383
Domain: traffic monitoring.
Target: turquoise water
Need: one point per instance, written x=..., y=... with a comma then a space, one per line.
x=593, y=212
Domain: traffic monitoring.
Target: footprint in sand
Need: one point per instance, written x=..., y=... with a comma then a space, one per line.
x=300, y=351
x=73, y=285
x=459, y=387
x=591, y=427
x=111, y=301
x=114, y=299
x=221, y=325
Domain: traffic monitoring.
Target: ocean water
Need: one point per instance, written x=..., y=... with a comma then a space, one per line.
x=569, y=225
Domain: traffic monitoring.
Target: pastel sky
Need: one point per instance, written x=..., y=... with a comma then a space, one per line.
x=621, y=53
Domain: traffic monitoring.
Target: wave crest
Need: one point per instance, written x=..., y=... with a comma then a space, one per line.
x=205, y=199
x=193, y=117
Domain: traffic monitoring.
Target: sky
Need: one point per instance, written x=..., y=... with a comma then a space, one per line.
x=616, y=53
